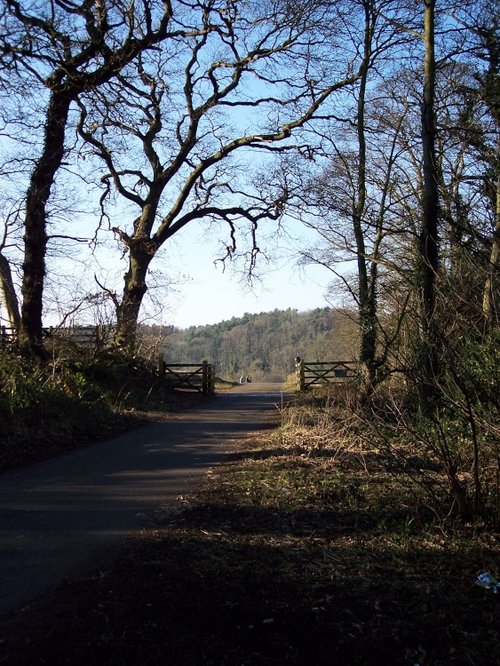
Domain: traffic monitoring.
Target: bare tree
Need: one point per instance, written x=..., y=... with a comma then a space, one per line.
x=69, y=48
x=352, y=195
x=249, y=81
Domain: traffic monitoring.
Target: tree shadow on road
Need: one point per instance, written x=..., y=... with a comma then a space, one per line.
x=250, y=572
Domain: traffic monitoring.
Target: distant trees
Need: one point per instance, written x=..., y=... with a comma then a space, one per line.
x=265, y=345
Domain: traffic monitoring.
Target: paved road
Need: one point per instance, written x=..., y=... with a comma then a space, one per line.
x=62, y=514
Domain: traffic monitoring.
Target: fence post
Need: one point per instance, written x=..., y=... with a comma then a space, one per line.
x=206, y=378
x=161, y=367
x=299, y=364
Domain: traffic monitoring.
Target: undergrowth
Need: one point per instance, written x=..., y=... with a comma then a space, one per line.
x=50, y=407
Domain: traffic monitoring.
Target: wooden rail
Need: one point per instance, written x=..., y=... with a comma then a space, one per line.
x=7, y=336
x=316, y=373
x=192, y=376
x=83, y=337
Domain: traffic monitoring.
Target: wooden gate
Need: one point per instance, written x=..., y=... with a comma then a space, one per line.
x=316, y=373
x=191, y=376
x=7, y=336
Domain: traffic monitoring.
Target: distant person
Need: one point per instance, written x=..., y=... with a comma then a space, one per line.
x=242, y=379
x=249, y=379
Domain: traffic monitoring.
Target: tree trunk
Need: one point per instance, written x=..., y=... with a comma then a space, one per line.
x=367, y=306
x=491, y=282
x=127, y=312
x=489, y=89
x=8, y=294
x=428, y=259
x=35, y=236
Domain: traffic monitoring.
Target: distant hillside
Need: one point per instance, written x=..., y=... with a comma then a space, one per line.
x=265, y=345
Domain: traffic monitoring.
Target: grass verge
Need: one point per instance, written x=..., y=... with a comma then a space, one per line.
x=303, y=548
x=48, y=409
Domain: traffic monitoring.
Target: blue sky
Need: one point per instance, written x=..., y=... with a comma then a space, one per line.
x=209, y=294
x=212, y=296
x=191, y=288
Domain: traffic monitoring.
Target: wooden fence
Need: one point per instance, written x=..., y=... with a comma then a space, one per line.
x=316, y=373
x=191, y=376
x=83, y=337
x=6, y=337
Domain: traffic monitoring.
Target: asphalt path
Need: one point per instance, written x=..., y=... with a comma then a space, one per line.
x=64, y=513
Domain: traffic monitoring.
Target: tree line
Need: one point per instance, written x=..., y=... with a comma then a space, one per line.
x=265, y=345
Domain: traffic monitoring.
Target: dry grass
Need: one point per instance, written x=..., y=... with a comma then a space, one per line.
x=305, y=547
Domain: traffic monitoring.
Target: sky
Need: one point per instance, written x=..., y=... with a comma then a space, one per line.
x=202, y=290
x=212, y=296
x=208, y=294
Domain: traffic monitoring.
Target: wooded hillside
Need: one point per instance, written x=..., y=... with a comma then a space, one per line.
x=265, y=345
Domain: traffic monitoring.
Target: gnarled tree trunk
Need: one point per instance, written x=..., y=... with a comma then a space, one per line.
x=35, y=233
x=135, y=288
